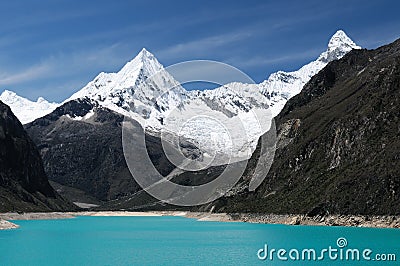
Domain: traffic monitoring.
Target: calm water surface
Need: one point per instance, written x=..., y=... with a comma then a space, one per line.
x=182, y=241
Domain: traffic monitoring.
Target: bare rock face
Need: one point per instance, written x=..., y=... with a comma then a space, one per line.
x=23, y=182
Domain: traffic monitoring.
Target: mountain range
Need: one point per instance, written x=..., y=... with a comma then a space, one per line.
x=133, y=93
x=337, y=151
x=26, y=110
x=336, y=121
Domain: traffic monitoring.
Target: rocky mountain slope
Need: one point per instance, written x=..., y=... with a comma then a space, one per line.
x=23, y=181
x=338, y=143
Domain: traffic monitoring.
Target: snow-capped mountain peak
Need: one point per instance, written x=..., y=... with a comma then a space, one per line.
x=6, y=94
x=144, y=62
x=141, y=89
x=281, y=86
x=338, y=46
x=27, y=110
x=340, y=39
x=105, y=84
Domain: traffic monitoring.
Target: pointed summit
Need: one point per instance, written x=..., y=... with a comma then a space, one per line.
x=133, y=90
x=145, y=52
x=144, y=61
x=339, y=45
x=340, y=38
x=281, y=86
x=144, y=55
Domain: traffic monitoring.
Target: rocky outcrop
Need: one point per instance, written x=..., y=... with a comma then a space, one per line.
x=23, y=182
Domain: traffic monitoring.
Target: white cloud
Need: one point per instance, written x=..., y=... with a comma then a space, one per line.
x=200, y=46
x=64, y=65
x=30, y=73
x=263, y=61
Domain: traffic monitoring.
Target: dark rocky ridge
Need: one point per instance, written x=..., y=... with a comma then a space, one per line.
x=23, y=181
x=86, y=156
x=338, y=143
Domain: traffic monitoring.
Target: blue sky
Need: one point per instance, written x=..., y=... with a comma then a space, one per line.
x=52, y=48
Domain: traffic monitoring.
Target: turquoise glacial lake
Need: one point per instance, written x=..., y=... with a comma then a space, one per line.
x=183, y=241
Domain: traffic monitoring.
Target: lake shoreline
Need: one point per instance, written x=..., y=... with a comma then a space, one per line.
x=372, y=221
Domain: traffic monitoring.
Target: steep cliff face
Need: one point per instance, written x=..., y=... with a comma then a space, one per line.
x=339, y=142
x=23, y=182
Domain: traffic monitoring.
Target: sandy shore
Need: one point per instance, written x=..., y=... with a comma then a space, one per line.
x=7, y=225
x=4, y=224
x=65, y=215
x=331, y=220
